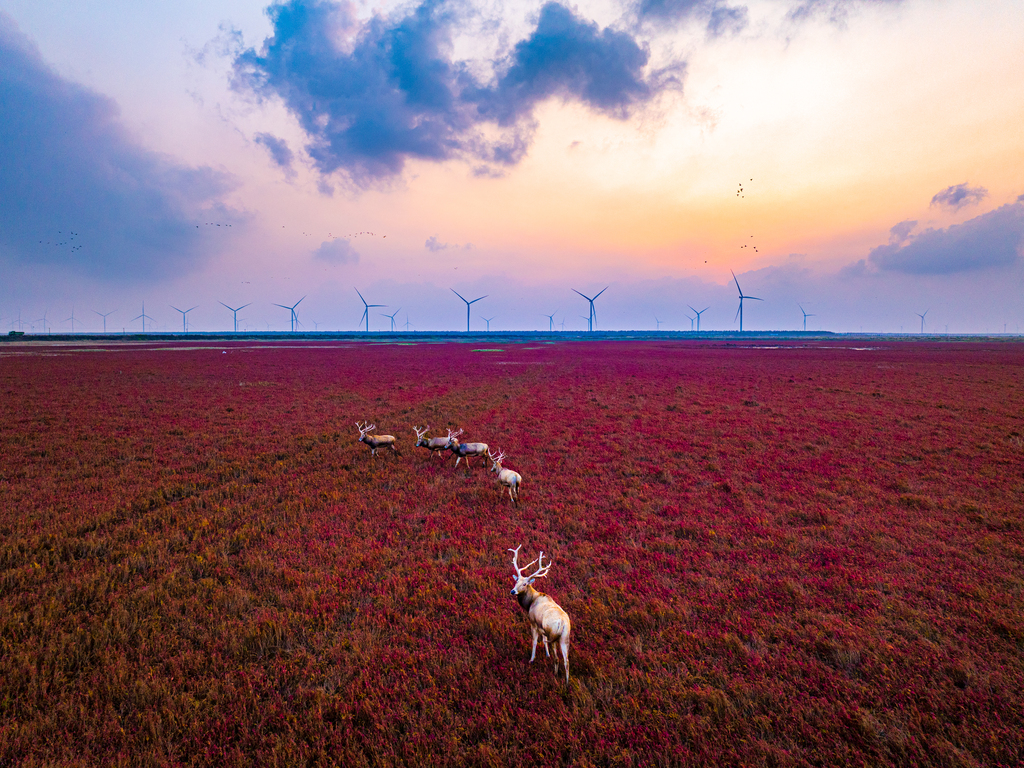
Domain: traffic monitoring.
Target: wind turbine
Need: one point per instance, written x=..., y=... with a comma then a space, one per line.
x=295, y=315
x=922, y=317
x=184, y=317
x=72, y=319
x=806, y=315
x=488, y=321
x=366, y=310
x=551, y=321
x=658, y=322
x=468, y=303
x=698, y=314
x=407, y=323
x=42, y=320
x=392, y=318
x=235, y=311
x=739, y=312
x=104, y=316
x=144, y=317
x=691, y=322
x=593, y=312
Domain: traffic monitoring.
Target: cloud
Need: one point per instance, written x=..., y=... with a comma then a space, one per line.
x=434, y=245
x=991, y=240
x=279, y=151
x=899, y=233
x=958, y=196
x=337, y=251
x=79, y=192
x=372, y=95
x=835, y=11
x=720, y=19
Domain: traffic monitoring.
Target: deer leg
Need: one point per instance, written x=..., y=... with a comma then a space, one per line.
x=533, y=655
x=565, y=656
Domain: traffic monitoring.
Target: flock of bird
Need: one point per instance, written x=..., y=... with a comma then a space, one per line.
x=548, y=620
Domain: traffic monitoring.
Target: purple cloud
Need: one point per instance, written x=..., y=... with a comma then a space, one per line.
x=991, y=240
x=958, y=196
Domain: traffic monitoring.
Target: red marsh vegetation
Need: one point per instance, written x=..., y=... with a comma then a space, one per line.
x=798, y=555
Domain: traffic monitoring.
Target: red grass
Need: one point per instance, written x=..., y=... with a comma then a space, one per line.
x=804, y=555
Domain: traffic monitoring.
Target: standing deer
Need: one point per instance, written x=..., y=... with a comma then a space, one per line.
x=466, y=450
x=433, y=444
x=506, y=477
x=547, y=619
x=375, y=441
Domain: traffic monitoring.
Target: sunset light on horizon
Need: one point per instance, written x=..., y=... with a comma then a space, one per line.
x=861, y=160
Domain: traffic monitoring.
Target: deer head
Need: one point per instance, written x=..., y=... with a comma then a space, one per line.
x=363, y=429
x=453, y=438
x=522, y=582
x=420, y=439
x=495, y=460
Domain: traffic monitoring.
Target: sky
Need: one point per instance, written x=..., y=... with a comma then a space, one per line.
x=854, y=163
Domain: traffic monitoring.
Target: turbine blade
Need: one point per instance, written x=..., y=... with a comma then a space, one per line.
x=584, y=296
x=603, y=290
x=737, y=315
x=458, y=294
x=737, y=283
x=360, y=295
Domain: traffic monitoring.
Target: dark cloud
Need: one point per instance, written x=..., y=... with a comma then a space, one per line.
x=371, y=95
x=959, y=195
x=78, y=191
x=279, y=151
x=337, y=251
x=720, y=18
x=993, y=239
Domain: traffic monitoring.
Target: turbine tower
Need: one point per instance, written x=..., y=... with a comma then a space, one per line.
x=691, y=319
x=806, y=315
x=488, y=321
x=551, y=321
x=392, y=318
x=658, y=322
x=698, y=314
x=295, y=315
x=468, y=304
x=144, y=317
x=235, y=311
x=104, y=316
x=593, y=312
x=184, y=317
x=739, y=312
x=922, y=317
x=72, y=319
x=366, y=310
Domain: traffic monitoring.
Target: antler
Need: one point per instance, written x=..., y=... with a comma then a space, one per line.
x=363, y=429
x=421, y=432
x=454, y=434
x=541, y=571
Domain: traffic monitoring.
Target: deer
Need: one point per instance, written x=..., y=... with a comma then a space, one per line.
x=547, y=618
x=465, y=450
x=506, y=477
x=375, y=441
x=433, y=444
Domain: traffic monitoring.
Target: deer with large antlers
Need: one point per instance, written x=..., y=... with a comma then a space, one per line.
x=466, y=450
x=433, y=444
x=506, y=477
x=547, y=619
x=375, y=441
